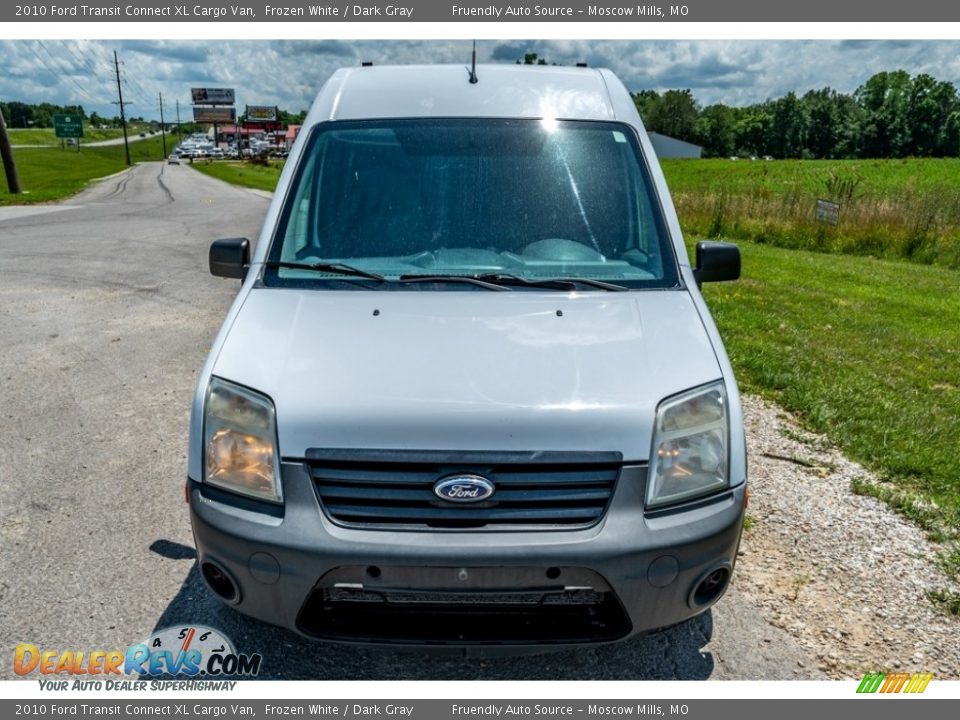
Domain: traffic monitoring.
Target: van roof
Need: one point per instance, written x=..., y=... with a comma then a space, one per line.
x=445, y=91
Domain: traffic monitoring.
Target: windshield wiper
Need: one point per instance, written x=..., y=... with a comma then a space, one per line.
x=472, y=279
x=508, y=279
x=593, y=283
x=560, y=283
x=500, y=281
x=328, y=267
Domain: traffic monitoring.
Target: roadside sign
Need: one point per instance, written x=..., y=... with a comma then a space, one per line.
x=214, y=114
x=68, y=126
x=212, y=96
x=261, y=113
x=828, y=212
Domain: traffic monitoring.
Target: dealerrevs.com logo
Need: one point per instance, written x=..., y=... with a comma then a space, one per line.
x=191, y=651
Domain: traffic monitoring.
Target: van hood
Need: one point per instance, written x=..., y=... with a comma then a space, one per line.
x=474, y=370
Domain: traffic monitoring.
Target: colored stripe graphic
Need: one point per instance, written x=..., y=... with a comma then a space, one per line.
x=918, y=683
x=870, y=683
x=894, y=683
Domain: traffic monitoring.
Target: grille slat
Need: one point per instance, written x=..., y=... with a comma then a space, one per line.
x=387, y=491
x=381, y=494
x=428, y=514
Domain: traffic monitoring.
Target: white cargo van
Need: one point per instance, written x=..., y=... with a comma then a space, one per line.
x=469, y=393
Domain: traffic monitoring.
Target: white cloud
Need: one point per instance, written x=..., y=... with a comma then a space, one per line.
x=288, y=73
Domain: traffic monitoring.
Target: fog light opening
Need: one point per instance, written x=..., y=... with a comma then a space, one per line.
x=373, y=571
x=553, y=573
x=220, y=582
x=710, y=587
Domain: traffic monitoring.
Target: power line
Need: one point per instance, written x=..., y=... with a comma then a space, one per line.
x=143, y=94
x=61, y=72
x=57, y=72
x=80, y=56
x=127, y=85
x=66, y=71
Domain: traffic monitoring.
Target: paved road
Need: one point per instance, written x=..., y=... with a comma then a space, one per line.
x=106, y=314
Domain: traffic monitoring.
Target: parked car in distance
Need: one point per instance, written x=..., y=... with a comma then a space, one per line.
x=469, y=393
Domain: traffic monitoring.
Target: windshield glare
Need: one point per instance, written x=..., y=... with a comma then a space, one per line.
x=529, y=198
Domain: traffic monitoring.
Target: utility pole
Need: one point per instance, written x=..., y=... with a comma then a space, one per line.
x=123, y=117
x=163, y=135
x=179, y=138
x=9, y=165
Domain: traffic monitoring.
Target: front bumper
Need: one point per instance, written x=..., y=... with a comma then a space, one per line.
x=630, y=573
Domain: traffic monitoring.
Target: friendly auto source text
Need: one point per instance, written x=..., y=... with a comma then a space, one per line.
x=537, y=709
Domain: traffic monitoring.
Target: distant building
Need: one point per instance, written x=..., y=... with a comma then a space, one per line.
x=291, y=135
x=231, y=133
x=667, y=147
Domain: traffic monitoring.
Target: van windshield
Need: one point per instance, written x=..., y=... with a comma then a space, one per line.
x=471, y=198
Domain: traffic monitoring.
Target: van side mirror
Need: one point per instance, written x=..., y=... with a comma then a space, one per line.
x=230, y=257
x=716, y=262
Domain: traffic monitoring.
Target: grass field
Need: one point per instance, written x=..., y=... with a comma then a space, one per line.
x=52, y=174
x=260, y=177
x=906, y=209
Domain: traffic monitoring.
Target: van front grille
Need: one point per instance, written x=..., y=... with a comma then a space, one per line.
x=394, y=488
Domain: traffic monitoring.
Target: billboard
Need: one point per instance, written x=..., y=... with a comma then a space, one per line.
x=213, y=96
x=214, y=114
x=261, y=113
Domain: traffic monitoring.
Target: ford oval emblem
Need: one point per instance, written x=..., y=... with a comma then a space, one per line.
x=463, y=488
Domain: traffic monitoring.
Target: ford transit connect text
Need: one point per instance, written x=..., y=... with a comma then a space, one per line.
x=469, y=393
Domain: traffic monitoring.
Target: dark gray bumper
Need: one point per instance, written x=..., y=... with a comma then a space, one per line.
x=646, y=567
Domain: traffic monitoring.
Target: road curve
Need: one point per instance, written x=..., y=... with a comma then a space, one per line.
x=106, y=313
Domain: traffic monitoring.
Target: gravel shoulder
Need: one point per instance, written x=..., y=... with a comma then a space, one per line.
x=841, y=573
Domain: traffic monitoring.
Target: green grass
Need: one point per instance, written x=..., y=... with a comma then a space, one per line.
x=879, y=177
x=46, y=136
x=52, y=174
x=246, y=174
x=889, y=208
x=866, y=351
x=946, y=600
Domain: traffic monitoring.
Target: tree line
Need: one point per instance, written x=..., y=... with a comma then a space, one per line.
x=26, y=115
x=892, y=115
x=21, y=115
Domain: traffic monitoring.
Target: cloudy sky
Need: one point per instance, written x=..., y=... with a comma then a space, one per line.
x=288, y=73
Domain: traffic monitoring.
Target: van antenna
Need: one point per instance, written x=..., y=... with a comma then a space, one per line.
x=473, y=66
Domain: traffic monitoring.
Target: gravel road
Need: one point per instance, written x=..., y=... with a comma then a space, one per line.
x=106, y=313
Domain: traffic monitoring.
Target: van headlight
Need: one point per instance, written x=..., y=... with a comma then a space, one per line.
x=690, y=443
x=240, y=441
